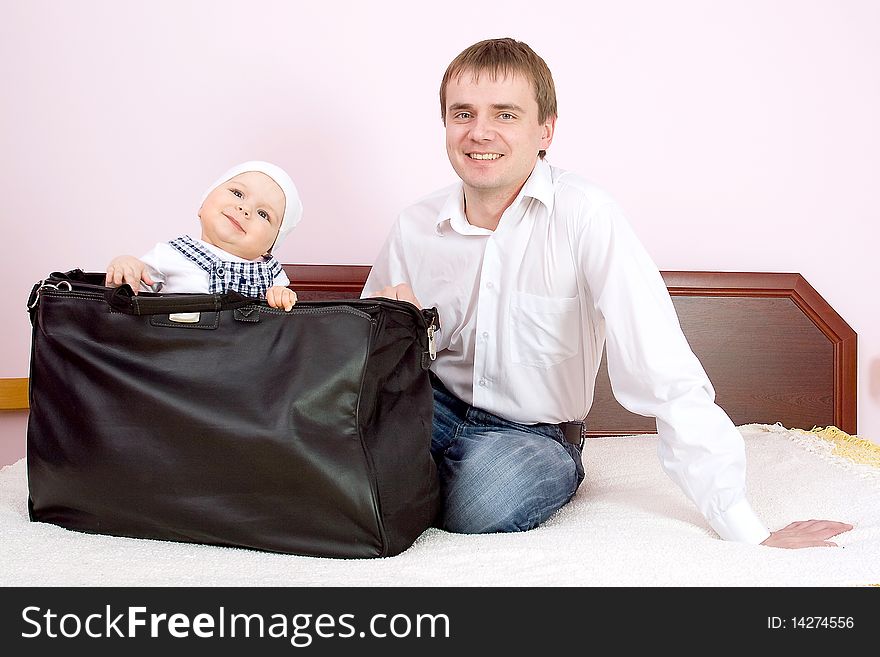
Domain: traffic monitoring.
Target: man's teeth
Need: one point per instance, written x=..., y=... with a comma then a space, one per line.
x=484, y=156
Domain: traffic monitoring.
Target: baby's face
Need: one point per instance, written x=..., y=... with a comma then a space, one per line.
x=243, y=215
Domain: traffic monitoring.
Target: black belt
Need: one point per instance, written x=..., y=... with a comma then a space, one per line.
x=574, y=432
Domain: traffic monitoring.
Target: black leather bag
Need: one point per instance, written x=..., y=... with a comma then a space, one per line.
x=216, y=419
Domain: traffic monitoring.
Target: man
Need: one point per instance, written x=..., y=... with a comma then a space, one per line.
x=533, y=271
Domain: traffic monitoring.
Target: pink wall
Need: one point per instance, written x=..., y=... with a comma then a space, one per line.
x=738, y=136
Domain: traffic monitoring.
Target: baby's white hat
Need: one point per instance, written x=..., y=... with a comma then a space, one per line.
x=293, y=208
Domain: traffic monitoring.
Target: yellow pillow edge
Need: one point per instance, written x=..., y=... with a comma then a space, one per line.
x=852, y=448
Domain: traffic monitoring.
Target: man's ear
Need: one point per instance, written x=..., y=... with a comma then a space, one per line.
x=548, y=128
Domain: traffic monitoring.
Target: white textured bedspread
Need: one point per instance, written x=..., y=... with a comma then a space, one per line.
x=628, y=525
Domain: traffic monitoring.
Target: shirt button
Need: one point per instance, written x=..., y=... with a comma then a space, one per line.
x=485, y=335
x=220, y=271
x=489, y=285
x=483, y=383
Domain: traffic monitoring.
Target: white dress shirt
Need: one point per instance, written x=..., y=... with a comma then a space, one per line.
x=526, y=309
x=177, y=273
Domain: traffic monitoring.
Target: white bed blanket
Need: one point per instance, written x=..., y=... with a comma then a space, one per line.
x=628, y=525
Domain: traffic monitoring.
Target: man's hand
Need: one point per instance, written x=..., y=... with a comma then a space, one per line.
x=279, y=296
x=127, y=269
x=402, y=292
x=807, y=533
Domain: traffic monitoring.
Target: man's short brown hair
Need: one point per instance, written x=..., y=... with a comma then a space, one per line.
x=500, y=58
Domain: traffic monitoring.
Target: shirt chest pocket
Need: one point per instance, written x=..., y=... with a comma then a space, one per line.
x=544, y=331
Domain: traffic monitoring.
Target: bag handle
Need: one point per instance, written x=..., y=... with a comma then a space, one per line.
x=124, y=300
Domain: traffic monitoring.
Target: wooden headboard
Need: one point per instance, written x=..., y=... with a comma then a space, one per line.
x=773, y=348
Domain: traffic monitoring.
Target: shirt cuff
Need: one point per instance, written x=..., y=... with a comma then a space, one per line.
x=740, y=523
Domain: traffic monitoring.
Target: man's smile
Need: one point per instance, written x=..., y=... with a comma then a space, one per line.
x=485, y=156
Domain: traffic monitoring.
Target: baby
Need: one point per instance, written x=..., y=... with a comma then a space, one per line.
x=244, y=215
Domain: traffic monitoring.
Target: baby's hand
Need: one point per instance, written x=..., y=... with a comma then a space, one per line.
x=127, y=269
x=279, y=296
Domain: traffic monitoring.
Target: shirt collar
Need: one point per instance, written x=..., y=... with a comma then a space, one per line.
x=539, y=185
x=224, y=255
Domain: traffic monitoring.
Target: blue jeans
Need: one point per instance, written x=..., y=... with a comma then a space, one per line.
x=497, y=475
